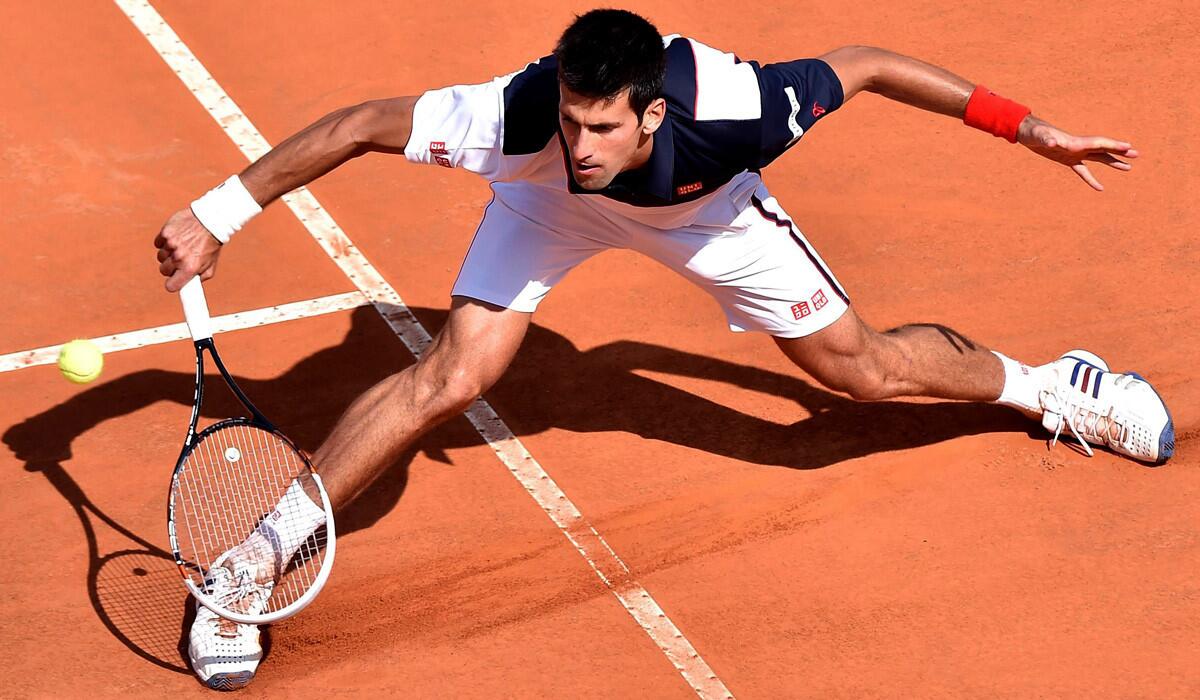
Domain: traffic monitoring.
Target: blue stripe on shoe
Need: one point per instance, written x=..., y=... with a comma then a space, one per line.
x=1080, y=363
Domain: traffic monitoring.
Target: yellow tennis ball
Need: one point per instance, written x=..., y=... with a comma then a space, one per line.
x=80, y=361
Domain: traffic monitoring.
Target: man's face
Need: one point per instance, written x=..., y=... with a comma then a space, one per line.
x=604, y=137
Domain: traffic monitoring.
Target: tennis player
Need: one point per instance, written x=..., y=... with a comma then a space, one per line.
x=623, y=138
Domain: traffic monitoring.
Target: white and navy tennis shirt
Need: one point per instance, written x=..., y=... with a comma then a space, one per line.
x=726, y=119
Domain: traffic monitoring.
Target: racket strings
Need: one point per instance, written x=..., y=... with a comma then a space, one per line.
x=235, y=476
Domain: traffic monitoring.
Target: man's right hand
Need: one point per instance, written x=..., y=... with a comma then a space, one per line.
x=185, y=249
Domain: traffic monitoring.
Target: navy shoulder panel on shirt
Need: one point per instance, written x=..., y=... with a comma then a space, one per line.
x=531, y=108
x=794, y=96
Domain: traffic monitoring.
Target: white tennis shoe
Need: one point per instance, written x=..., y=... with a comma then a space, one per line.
x=225, y=654
x=1119, y=411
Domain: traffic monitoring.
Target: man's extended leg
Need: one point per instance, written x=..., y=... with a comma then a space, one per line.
x=466, y=358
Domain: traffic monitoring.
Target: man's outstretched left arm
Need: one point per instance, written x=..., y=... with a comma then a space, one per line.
x=935, y=89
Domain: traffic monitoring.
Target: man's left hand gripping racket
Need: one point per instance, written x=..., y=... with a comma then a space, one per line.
x=250, y=523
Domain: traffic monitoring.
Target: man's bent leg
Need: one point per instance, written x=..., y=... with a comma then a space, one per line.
x=467, y=357
x=913, y=360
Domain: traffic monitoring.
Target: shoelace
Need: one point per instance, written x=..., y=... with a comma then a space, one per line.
x=1079, y=416
x=245, y=587
x=239, y=586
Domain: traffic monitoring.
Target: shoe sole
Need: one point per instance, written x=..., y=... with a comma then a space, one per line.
x=1166, y=441
x=230, y=681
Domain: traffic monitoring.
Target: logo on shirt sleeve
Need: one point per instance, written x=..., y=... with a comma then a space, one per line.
x=688, y=189
x=793, y=125
x=817, y=109
x=801, y=310
x=818, y=300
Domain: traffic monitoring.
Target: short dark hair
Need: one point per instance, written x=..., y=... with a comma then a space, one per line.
x=605, y=52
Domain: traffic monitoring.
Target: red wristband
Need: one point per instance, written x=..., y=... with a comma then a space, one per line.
x=994, y=114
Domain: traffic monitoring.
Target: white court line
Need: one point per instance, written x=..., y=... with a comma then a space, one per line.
x=178, y=331
x=587, y=541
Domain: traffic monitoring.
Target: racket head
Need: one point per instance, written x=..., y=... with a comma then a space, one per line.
x=227, y=480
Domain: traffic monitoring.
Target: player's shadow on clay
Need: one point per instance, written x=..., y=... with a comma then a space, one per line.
x=551, y=384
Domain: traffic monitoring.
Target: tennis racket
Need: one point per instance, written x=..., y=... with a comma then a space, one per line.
x=251, y=526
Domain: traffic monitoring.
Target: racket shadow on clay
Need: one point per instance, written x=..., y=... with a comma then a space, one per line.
x=133, y=589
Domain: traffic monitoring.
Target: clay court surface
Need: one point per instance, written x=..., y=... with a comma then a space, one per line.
x=805, y=545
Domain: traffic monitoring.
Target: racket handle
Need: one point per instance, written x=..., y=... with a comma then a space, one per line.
x=195, y=309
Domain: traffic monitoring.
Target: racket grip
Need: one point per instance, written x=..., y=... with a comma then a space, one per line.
x=195, y=309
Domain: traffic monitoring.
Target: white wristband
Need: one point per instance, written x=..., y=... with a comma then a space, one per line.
x=226, y=208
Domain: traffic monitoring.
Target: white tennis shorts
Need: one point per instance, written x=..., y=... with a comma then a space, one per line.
x=739, y=246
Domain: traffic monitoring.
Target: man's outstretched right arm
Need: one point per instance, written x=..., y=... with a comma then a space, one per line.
x=186, y=247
